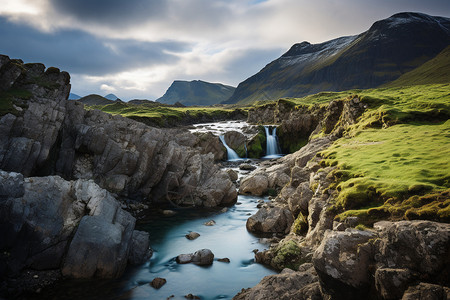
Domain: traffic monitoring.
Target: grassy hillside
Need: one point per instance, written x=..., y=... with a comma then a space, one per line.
x=165, y=115
x=395, y=162
x=436, y=70
x=95, y=99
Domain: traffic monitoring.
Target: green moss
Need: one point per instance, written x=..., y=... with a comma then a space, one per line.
x=255, y=146
x=288, y=255
x=300, y=225
x=7, y=99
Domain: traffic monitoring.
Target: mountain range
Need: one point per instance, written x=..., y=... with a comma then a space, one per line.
x=196, y=92
x=389, y=49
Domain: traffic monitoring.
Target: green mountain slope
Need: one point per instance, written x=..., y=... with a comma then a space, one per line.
x=389, y=49
x=196, y=92
x=436, y=70
x=95, y=99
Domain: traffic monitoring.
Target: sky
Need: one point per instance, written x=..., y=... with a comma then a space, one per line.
x=137, y=48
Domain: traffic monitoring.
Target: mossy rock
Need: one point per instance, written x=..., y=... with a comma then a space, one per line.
x=300, y=225
x=288, y=255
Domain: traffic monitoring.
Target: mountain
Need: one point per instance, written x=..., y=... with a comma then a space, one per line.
x=111, y=97
x=436, y=70
x=73, y=96
x=389, y=49
x=95, y=99
x=196, y=92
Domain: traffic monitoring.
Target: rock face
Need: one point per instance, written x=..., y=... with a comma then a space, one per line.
x=50, y=223
x=270, y=220
x=53, y=136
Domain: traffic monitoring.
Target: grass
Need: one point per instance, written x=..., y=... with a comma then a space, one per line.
x=399, y=149
x=7, y=100
x=161, y=114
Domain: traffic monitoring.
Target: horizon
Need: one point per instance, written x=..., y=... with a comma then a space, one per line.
x=136, y=50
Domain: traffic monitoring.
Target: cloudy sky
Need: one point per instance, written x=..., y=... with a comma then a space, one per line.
x=136, y=48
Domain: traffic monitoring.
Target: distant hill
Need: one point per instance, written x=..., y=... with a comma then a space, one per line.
x=436, y=70
x=111, y=97
x=95, y=99
x=389, y=49
x=196, y=92
x=73, y=96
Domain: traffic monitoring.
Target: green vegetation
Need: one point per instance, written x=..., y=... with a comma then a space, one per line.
x=162, y=114
x=300, y=225
x=287, y=255
x=256, y=145
x=395, y=157
x=7, y=99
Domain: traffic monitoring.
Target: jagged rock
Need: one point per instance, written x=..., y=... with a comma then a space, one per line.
x=192, y=235
x=140, y=250
x=285, y=286
x=232, y=174
x=391, y=283
x=273, y=220
x=55, y=136
x=38, y=223
x=342, y=261
x=209, y=143
x=201, y=257
x=426, y=291
x=158, y=282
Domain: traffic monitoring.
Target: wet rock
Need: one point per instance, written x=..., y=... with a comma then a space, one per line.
x=270, y=220
x=210, y=223
x=232, y=174
x=158, y=282
x=225, y=260
x=192, y=235
x=201, y=257
x=247, y=167
x=191, y=296
x=140, y=251
x=169, y=213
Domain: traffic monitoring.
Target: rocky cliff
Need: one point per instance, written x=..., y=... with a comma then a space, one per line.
x=62, y=168
x=43, y=134
x=390, y=48
x=324, y=257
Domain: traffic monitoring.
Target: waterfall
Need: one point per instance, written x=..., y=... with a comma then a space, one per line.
x=232, y=155
x=272, y=147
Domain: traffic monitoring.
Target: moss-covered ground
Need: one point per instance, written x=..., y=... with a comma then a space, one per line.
x=395, y=163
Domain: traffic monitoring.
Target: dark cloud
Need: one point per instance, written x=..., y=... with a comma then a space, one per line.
x=79, y=52
x=113, y=12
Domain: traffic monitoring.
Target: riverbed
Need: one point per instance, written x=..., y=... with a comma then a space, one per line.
x=228, y=238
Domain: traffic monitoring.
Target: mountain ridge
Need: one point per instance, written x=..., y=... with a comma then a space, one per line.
x=387, y=50
x=196, y=92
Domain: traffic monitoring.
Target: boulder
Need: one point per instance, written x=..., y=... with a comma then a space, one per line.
x=203, y=257
x=392, y=283
x=232, y=174
x=247, y=167
x=254, y=185
x=426, y=291
x=342, y=263
x=158, y=282
x=192, y=235
x=140, y=251
x=270, y=220
x=285, y=286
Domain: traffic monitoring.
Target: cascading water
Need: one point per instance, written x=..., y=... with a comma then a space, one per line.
x=232, y=155
x=272, y=147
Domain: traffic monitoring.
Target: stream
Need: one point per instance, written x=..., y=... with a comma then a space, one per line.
x=227, y=238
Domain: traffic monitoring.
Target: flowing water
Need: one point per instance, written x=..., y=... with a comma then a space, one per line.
x=227, y=238
x=272, y=147
x=231, y=154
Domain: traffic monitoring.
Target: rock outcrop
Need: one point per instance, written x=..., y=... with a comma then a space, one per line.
x=50, y=223
x=48, y=135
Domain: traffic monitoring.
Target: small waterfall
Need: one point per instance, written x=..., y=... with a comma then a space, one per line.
x=272, y=147
x=232, y=155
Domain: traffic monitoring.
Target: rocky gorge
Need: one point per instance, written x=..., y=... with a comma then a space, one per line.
x=70, y=176
x=64, y=169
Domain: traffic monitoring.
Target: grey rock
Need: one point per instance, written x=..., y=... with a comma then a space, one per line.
x=140, y=251
x=184, y=258
x=247, y=167
x=426, y=291
x=270, y=220
x=232, y=174
x=201, y=257
x=192, y=235
x=392, y=283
